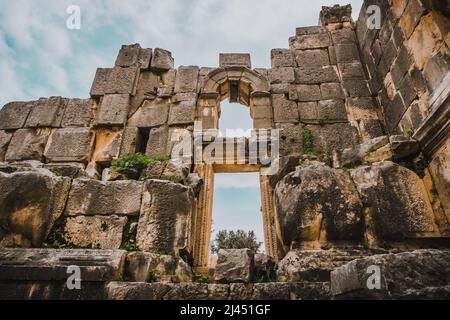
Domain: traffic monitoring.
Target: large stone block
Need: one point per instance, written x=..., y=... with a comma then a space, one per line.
x=47, y=112
x=165, y=215
x=52, y=264
x=117, y=80
x=346, y=52
x=235, y=59
x=182, y=112
x=186, y=79
x=312, y=41
x=78, y=113
x=30, y=202
x=107, y=145
x=331, y=91
x=291, y=139
x=352, y=71
x=398, y=202
x=282, y=58
x=315, y=74
x=411, y=17
x=281, y=75
x=158, y=142
x=343, y=36
x=284, y=109
x=331, y=110
x=27, y=144
x=92, y=197
x=5, y=138
x=134, y=56
x=162, y=60
x=148, y=84
x=153, y=113
x=14, y=114
x=315, y=199
x=316, y=57
x=98, y=232
x=69, y=145
x=440, y=170
x=130, y=141
x=408, y=275
x=304, y=93
x=113, y=110
x=137, y=290
x=234, y=265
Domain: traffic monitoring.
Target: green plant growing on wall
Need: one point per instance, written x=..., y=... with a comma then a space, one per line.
x=201, y=278
x=133, y=165
x=308, y=141
x=151, y=276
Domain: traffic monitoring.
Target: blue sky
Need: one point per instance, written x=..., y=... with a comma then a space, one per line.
x=40, y=57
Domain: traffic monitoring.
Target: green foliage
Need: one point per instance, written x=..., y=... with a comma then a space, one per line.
x=129, y=236
x=133, y=165
x=235, y=240
x=308, y=140
x=410, y=132
x=201, y=278
x=151, y=276
x=56, y=237
x=175, y=178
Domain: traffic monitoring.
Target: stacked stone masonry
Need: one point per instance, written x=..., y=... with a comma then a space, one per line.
x=363, y=116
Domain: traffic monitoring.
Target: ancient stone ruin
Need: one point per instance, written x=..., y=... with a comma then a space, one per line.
x=361, y=117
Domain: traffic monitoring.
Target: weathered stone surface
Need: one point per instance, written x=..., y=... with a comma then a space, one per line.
x=134, y=56
x=264, y=268
x=153, y=113
x=46, y=113
x=345, y=35
x=315, y=57
x=158, y=141
x=27, y=144
x=356, y=88
x=234, y=265
x=291, y=139
x=14, y=114
x=312, y=41
x=162, y=267
x=78, y=113
x=331, y=91
x=182, y=112
x=113, y=110
x=188, y=291
x=329, y=110
x=218, y=291
x=148, y=84
x=186, y=79
x=69, y=145
x=164, y=218
x=30, y=203
x=52, y=264
x=403, y=147
x=281, y=75
x=315, y=74
x=352, y=71
x=117, y=80
x=271, y=291
x=90, y=197
x=310, y=291
x=365, y=152
x=314, y=194
x=335, y=14
x=162, y=60
x=235, y=59
x=282, y=58
x=303, y=92
x=70, y=170
x=316, y=265
x=107, y=145
x=398, y=202
x=137, y=290
x=130, y=140
x=5, y=138
x=346, y=52
x=98, y=232
x=284, y=110
x=403, y=275
x=440, y=170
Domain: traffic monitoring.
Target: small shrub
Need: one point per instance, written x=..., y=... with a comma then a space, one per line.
x=151, y=276
x=201, y=278
x=175, y=178
x=308, y=141
x=410, y=132
x=133, y=165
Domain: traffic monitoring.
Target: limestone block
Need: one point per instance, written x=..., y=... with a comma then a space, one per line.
x=165, y=215
x=115, y=80
x=301, y=31
x=291, y=138
x=315, y=74
x=188, y=291
x=27, y=144
x=235, y=59
x=440, y=170
x=97, y=232
x=398, y=202
x=218, y=291
x=284, y=110
x=282, y=58
x=130, y=141
x=134, y=56
x=166, y=89
x=393, y=112
x=69, y=145
x=362, y=108
x=331, y=110
x=47, y=113
x=314, y=193
x=352, y=70
x=113, y=110
x=71, y=170
x=331, y=91
x=51, y=264
x=186, y=79
x=335, y=14
x=182, y=112
x=14, y=114
x=148, y=84
x=403, y=147
x=137, y=290
x=312, y=41
x=308, y=110
x=315, y=57
x=262, y=112
x=234, y=265
x=78, y=113
x=411, y=17
x=346, y=52
x=92, y=197
x=162, y=60
x=356, y=88
x=158, y=141
x=281, y=75
x=107, y=145
x=30, y=203
x=304, y=93
x=343, y=36
x=153, y=113
x=436, y=70
x=5, y=138
x=370, y=128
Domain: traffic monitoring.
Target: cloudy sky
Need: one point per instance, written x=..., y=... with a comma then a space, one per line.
x=40, y=57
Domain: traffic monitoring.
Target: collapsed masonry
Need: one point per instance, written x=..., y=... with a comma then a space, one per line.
x=364, y=174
